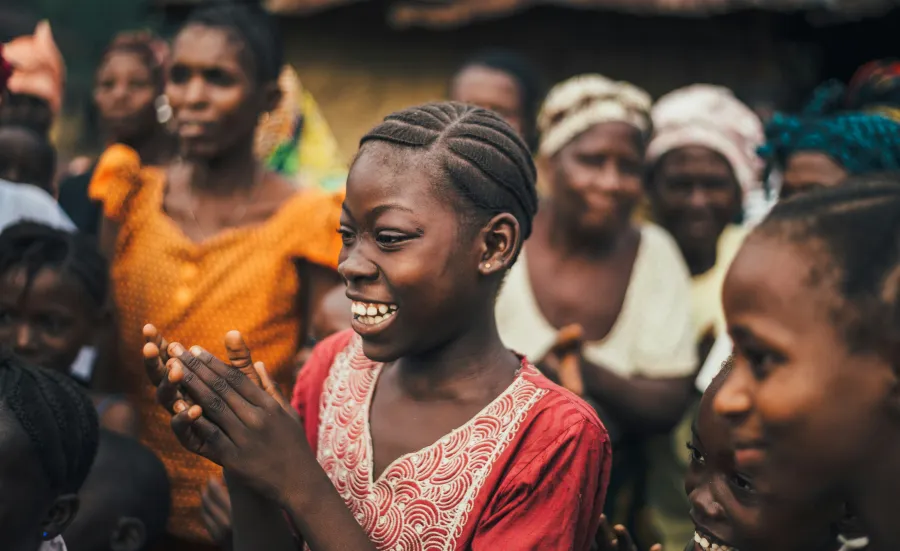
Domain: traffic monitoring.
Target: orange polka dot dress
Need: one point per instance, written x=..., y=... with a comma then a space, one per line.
x=243, y=278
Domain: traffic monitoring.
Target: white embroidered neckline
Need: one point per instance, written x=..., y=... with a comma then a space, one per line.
x=420, y=501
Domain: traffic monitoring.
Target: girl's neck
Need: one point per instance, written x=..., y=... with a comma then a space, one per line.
x=562, y=235
x=475, y=361
x=875, y=502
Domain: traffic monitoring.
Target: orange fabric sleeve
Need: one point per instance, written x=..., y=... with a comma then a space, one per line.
x=116, y=178
x=316, y=217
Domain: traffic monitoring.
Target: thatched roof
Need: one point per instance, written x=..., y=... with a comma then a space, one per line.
x=453, y=13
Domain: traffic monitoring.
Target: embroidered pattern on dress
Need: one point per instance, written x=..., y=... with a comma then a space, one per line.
x=423, y=499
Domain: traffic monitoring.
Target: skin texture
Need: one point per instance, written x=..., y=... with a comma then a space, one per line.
x=695, y=195
x=810, y=170
x=790, y=365
x=580, y=259
x=444, y=359
x=491, y=89
x=29, y=508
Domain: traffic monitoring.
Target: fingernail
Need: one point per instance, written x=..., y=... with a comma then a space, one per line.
x=176, y=349
x=175, y=372
x=179, y=407
x=196, y=351
x=195, y=412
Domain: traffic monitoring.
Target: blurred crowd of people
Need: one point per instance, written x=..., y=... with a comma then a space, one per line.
x=702, y=305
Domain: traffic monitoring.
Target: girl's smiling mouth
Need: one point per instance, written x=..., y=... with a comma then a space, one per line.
x=371, y=317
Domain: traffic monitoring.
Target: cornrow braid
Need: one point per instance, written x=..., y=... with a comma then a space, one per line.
x=253, y=26
x=484, y=159
x=58, y=418
x=33, y=247
x=858, y=223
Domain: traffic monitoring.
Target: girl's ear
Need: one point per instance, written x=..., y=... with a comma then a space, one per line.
x=61, y=515
x=501, y=240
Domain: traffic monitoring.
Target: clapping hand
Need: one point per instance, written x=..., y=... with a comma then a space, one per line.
x=617, y=538
x=234, y=415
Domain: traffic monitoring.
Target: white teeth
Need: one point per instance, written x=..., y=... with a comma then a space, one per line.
x=382, y=309
x=371, y=311
x=379, y=319
x=706, y=544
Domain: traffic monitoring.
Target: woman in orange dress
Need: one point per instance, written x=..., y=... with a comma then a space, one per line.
x=212, y=241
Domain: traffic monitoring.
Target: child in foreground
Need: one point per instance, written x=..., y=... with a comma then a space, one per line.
x=464, y=445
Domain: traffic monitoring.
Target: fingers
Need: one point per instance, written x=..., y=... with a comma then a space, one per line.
x=625, y=541
x=153, y=363
x=152, y=335
x=656, y=547
x=239, y=354
x=606, y=537
x=226, y=380
x=198, y=435
x=216, y=510
x=270, y=387
x=207, y=390
x=168, y=393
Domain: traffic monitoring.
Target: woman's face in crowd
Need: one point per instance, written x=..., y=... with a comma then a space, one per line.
x=212, y=88
x=411, y=268
x=725, y=506
x=808, y=171
x=695, y=195
x=125, y=93
x=491, y=89
x=46, y=323
x=805, y=411
x=596, y=178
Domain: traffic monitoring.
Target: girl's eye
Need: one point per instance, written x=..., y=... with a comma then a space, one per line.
x=743, y=483
x=761, y=362
x=347, y=236
x=391, y=238
x=696, y=454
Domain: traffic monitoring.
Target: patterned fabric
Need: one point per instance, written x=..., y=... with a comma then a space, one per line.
x=709, y=116
x=295, y=139
x=528, y=472
x=244, y=278
x=861, y=142
x=875, y=85
x=574, y=106
x=38, y=67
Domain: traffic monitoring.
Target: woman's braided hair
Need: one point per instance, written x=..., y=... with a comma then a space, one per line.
x=486, y=162
x=33, y=247
x=858, y=226
x=58, y=418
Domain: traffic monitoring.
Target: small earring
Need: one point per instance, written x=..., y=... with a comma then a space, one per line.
x=163, y=109
x=46, y=535
x=487, y=266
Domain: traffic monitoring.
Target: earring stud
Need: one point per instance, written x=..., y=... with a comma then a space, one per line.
x=487, y=266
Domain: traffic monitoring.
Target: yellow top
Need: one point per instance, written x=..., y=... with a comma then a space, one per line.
x=706, y=288
x=243, y=278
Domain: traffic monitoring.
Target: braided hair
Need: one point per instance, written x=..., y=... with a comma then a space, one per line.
x=58, y=418
x=33, y=247
x=858, y=226
x=249, y=22
x=483, y=158
x=862, y=142
x=527, y=78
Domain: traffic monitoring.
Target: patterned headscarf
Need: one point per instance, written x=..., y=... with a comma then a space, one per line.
x=709, y=116
x=577, y=104
x=38, y=66
x=861, y=141
x=876, y=87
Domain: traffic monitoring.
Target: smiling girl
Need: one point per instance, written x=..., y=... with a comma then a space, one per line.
x=419, y=429
x=812, y=402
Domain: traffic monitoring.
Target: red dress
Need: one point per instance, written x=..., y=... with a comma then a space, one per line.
x=528, y=472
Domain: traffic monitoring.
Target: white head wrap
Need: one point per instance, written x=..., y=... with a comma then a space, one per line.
x=577, y=104
x=710, y=116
